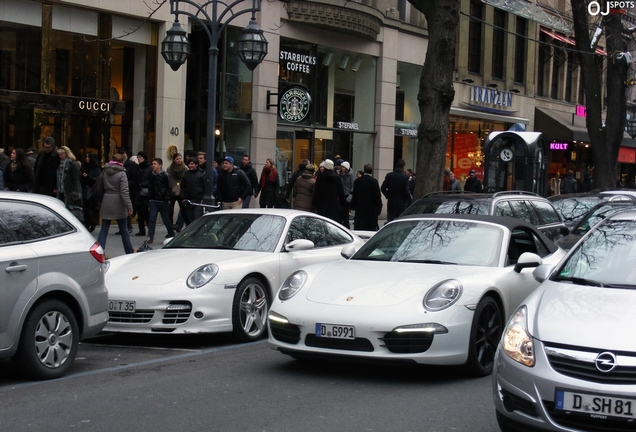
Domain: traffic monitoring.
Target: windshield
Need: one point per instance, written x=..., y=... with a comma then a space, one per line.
x=436, y=242
x=247, y=232
x=606, y=258
x=599, y=215
x=573, y=209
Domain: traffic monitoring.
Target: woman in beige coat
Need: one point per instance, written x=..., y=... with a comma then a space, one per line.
x=116, y=204
x=303, y=191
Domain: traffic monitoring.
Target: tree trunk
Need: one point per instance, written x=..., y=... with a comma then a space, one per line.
x=436, y=92
x=605, y=139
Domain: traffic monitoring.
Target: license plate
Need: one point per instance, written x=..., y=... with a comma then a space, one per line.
x=121, y=306
x=335, y=331
x=596, y=406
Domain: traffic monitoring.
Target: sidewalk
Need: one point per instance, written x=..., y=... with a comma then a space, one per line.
x=114, y=246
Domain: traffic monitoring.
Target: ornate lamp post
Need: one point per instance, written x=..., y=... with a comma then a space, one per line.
x=214, y=16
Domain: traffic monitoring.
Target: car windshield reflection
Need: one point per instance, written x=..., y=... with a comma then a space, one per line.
x=607, y=258
x=435, y=242
x=246, y=232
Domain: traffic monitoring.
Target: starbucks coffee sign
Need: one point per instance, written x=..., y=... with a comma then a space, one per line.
x=294, y=105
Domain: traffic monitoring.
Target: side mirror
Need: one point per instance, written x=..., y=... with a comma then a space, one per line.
x=564, y=231
x=299, y=245
x=542, y=272
x=528, y=259
x=348, y=251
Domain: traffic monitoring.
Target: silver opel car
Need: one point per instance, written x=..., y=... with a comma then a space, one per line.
x=52, y=291
x=567, y=358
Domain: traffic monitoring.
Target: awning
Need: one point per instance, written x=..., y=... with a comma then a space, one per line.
x=532, y=12
x=567, y=40
x=566, y=127
x=487, y=116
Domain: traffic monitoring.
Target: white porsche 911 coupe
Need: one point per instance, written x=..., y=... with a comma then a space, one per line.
x=220, y=273
x=429, y=289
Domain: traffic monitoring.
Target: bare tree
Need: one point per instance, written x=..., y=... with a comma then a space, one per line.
x=605, y=138
x=436, y=91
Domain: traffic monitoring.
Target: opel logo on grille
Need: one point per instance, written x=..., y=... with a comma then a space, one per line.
x=605, y=362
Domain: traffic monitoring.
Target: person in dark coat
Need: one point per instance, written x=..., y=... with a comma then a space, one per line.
x=473, y=184
x=587, y=184
x=193, y=186
x=303, y=191
x=160, y=190
x=568, y=185
x=268, y=184
x=234, y=186
x=69, y=188
x=250, y=172
x=90, y=173
x=328, y=193
x=116, y=204
x=45, y=169
x=366, y=200
x=144, y=171
x=18, y=175
x=395, y=188
x=131, y=168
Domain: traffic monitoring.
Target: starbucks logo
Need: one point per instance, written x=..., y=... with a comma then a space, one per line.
x=294, y=105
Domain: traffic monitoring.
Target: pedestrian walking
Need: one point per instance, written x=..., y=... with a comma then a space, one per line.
x=347, y=176
x=45, y=169
x=366, y=201
x=193, y=185
x=18, y=174
x=176, y=170
x=115, y=204
x=234, y=186
x=568, y=185
x=303, y=189
x=250, y=172
x=268, y=184
x=395, y=189
x=328, y=193
x=455, y=185
x=89, y=176
x=132, y=172
x=159, y=191
x=68, y=188
x=473, y=184
x=144, y=171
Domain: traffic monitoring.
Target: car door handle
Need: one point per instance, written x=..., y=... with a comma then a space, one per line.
x=15, y=267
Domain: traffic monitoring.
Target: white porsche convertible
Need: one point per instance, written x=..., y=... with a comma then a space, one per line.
x=430, y=289
x=220, y=273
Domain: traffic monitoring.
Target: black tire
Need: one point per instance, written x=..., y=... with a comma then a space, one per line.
x=48, y=342
x=249, y=310
x=485, y=334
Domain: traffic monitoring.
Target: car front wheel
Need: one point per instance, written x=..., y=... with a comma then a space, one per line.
x=484, y=336
x=49, y=340
x=249, y=316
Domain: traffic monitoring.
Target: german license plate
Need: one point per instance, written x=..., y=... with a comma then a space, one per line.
x=121, y=306
x=335, y=331
x=596, y=406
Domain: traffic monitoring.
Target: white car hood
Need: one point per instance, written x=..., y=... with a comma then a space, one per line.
x=584, y=316
x=381, y=284
x=165, y=266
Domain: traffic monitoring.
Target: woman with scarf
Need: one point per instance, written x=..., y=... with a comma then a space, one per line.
x=91, y=170
x=176, y=170
x=18, y=175
x=69, y=188
x=268, y=184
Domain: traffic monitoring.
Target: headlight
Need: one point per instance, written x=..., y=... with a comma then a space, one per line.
x=202, y=275
x=443, y=295
x=516, y=341
x=292, y=285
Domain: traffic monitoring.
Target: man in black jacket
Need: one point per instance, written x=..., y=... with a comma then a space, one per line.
x=234, y=186
x=159, y=191
x=250, y=172
x=395, y=188
x=193, y=186
x=45, y=169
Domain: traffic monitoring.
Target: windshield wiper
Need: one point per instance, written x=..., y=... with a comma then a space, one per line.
x=580, y=281
x=429, y=261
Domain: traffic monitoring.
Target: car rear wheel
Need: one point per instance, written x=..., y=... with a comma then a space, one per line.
x=251, y=304
x=49, y=340
x=484, y=336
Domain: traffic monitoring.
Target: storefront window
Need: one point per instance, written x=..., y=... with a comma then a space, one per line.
x=74, y=63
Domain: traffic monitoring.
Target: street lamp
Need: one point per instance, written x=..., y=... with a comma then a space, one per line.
x=214, y=16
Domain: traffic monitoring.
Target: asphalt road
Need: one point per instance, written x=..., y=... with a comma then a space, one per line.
x=208, y=383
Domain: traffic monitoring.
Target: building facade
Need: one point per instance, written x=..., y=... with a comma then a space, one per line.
x=339, y=80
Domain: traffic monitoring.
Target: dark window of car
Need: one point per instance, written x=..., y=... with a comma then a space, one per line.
x=502, y=208
x=523, y=210
x=321, y=233
x=547, y=213
x=30, y=221
x=449, y=206
x=5, y=234
x=523, y=240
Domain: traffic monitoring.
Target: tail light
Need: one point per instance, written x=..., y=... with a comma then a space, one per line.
x=97, y=252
